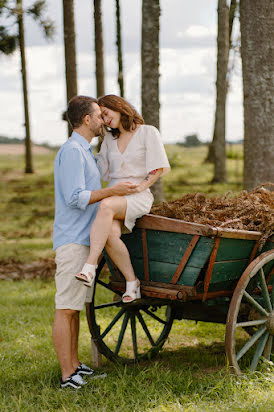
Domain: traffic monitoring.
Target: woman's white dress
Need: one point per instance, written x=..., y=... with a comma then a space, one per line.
x=145, y=152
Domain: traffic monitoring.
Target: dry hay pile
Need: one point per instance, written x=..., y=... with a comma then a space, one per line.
x=247, y=211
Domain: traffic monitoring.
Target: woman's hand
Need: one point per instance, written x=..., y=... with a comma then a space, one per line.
x=138, y=188
x=123, y=188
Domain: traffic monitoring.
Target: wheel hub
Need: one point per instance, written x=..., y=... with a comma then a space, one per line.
x=270, y=323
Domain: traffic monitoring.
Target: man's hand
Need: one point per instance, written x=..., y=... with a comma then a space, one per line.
x=123, y=188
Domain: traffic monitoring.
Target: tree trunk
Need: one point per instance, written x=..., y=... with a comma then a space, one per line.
x=70, y=51
x=211, y=147
x=150, y=73
x=99, y=48
x=28, y=153
x=257, y=20
x=119, y=49
x=221, y=91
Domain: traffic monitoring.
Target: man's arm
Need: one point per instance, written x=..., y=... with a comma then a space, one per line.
x=73, y=186
x=120, y=189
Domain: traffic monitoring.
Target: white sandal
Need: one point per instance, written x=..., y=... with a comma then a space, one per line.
x=133, y=291
x=87, y=275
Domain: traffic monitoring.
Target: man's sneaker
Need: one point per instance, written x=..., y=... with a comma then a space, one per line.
x=74, y=381
x=86, y=370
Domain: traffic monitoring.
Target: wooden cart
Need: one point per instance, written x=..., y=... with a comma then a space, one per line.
x=187, y=271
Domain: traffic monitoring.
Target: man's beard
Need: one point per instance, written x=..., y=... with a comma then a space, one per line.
x=98, y=131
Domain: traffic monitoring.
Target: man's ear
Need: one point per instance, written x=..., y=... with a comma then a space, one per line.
x=86, y=120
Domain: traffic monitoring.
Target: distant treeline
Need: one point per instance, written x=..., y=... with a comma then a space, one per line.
x=193, y=140
x=16, y=140
x=10, y=140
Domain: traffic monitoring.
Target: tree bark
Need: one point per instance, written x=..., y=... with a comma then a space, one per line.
x=221, y=91
x=70, y=51
x=150, y=73
x=99, y=49
x=119, y=49
x=211, y=148
x=21, y=33
x=257, y=22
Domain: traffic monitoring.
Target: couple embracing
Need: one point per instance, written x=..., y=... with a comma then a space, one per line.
x=89, y=218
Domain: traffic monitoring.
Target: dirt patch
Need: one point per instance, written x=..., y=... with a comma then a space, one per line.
x=12, y=270
x=248, y=211
x=19, y=149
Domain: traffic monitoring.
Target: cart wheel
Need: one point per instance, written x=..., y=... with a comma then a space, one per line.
x=254, y=290
x=127, y=332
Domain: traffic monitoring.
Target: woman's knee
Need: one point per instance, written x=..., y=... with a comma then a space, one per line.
x=106, y=205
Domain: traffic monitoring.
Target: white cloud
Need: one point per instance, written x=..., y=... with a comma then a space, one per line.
x=199, y=31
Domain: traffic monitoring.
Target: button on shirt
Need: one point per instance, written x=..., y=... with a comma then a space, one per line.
x=75, y=176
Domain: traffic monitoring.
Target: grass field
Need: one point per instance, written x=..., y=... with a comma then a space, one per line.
x=190, y=373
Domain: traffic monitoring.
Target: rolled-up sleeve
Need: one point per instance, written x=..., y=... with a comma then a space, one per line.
x=102, y=161
x=72, y=179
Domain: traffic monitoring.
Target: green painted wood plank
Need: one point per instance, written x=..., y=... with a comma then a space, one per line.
x=170, y=247
x=224, y=271
x=189, y=276
x=133, y=241
x=232, y=249
x=226, y=285
x=163, y=272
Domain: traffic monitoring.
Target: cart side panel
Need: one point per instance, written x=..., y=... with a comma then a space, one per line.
x=165, y=251
x=234, y=249
x=233, y=256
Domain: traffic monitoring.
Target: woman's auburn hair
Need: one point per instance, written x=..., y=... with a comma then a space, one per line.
x=130, y=118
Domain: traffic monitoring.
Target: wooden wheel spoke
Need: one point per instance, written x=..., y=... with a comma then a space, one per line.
x=255, y=304
x=148, y=312
x=250, y=342
x=265, y=292
x=272, y=292
x=259, y=351
x=112, y=323
x=122, y=333
x=105, y=285
x=251, y=323
x=134, y=336
x=144, y=326
x=107, y=305
x=268, y=347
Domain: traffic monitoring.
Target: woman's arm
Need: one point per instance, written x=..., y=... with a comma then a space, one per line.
x=149, y=180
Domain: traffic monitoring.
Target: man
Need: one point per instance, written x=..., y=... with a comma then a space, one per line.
x=77, y=193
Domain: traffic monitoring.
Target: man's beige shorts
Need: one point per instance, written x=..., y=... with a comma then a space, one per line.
x=70, y=292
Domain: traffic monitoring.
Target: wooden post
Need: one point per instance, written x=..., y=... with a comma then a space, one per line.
x=96, y=356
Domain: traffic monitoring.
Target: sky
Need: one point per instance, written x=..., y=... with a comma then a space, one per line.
x=188, y=54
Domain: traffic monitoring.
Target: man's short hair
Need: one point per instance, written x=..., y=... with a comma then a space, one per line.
x=78, y=108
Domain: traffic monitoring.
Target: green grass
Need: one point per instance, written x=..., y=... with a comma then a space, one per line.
x=190, y=374
x=189, y=173
x=26, y=209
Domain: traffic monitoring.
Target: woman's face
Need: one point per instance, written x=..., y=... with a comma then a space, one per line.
x=110, y=117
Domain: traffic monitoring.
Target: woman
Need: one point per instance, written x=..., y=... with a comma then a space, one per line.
x=131, y=151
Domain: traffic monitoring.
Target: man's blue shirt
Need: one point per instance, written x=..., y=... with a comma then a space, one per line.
x=75, y=176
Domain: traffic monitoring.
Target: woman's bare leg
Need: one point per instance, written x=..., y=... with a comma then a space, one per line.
x=118, y=252
x=110, y=208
